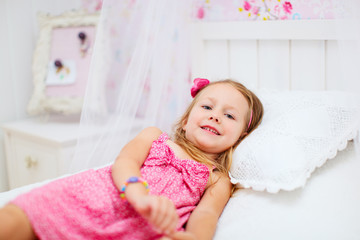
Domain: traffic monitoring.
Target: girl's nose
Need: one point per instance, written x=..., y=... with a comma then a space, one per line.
x=216, y=119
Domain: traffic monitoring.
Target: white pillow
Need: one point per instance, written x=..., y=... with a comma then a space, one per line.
x=299, y=132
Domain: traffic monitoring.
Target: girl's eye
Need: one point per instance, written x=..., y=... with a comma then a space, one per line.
x=229, y=116
x=206, y=107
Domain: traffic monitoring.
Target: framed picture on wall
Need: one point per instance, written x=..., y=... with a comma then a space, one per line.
x=61, y=62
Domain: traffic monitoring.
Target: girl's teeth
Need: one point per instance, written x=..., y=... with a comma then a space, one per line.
x=211, y=130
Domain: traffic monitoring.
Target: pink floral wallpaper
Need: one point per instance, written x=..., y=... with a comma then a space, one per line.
x=91, y=5
x=238, y=10
x=235, y=10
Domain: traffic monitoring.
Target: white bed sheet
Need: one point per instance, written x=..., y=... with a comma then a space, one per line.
x=328, y=207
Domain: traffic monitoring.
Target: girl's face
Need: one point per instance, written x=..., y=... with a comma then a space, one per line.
x=217, y=119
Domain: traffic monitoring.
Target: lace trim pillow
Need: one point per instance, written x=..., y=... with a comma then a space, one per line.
x=299, y=132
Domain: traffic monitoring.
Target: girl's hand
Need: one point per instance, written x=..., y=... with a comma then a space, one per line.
x=179, y=236
x=159, y=211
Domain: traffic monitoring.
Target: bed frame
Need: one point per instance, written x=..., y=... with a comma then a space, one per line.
x=285, y=55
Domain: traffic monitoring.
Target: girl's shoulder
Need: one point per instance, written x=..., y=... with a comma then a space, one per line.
x=217, y=175
x=219, y=180
x=150, y=133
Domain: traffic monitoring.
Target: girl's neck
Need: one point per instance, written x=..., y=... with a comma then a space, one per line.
x=197, y=154
x=211, y=156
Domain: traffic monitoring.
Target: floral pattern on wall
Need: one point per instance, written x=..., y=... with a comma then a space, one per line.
x=92, y=5
x=266, y=10
x=235, y=10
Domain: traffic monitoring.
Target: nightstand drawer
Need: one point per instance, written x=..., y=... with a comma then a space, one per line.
x=32, y=162
x=37, y=151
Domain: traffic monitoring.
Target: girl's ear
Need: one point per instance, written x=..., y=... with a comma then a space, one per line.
x=183, y=124
x=243, y=135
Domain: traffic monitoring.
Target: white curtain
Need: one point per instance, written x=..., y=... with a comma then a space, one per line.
x=139, y=76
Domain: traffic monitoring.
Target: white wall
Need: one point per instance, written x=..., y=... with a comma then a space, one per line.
x=19, y=30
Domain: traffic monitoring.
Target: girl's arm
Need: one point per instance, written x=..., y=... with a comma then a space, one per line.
x=131, y=158
x=203, y=220
x=159, y=211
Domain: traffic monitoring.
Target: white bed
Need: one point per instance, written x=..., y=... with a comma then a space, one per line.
x=282, y=55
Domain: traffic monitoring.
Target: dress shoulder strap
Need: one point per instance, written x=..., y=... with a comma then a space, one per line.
x=163, y=137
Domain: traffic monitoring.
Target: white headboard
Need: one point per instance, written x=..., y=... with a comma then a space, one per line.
x=294, y=55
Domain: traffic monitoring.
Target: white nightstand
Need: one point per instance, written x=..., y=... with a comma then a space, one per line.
x=37, y=150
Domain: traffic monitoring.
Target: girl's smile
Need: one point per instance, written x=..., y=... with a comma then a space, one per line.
x=211, y=130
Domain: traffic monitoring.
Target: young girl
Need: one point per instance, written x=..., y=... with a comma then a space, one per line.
x=157, y=187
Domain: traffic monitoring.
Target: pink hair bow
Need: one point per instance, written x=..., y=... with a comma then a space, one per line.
x=199, y=83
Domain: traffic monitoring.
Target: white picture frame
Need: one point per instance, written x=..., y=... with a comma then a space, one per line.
x=49, y=98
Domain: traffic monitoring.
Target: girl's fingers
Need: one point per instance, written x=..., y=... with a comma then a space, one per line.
x=143, y=207
x=160, y=211
x=169, y=222
x=165, y=238
x=163, y=215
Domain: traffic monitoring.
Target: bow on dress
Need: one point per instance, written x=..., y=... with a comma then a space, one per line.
x=195, y=174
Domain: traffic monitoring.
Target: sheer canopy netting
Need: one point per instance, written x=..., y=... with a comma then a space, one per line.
x=139, y=76
x=141, y=68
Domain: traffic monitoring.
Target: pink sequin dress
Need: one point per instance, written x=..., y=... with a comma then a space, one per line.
x=87, y=205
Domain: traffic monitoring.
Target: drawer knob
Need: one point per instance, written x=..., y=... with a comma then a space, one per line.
x=30, y=162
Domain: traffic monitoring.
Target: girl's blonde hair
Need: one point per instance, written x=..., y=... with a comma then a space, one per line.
x=224, y=159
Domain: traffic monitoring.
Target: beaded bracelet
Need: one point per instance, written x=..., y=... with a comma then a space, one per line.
x=132, y=180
